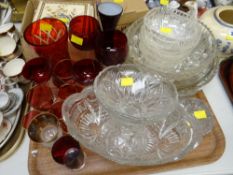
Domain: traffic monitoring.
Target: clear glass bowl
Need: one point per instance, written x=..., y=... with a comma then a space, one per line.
x=127, y=142
x=199, y=111
x=196, y=70
x=149, y=97
x=171, y=28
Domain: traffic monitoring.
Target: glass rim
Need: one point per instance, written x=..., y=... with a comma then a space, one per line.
x=44, y=45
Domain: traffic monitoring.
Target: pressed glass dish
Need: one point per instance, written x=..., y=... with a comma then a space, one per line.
x=173, y=27
x=146, y=95
x=201, y=112
x=127, y=142
x=191, y=74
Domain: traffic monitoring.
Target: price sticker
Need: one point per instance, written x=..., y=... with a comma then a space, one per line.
x=166, y=30
x=201, y=114
x=77, y=40
x=65, y=20
x=118, y=1
x=229, y=37
x=45, y=27
x=164, y=2
x=127, y=81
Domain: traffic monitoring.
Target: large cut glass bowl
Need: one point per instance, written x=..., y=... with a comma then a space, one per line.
x=197, y=69
x=128, y=142
x=147, y=97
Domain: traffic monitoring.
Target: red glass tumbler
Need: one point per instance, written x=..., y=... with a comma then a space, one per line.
x=83, y=31
x=49, y=38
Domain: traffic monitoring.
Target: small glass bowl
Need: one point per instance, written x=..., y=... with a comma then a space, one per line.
x=44, y=128
x=37, y=70
x=86, y=70
x=200, y=112
x=131, y=92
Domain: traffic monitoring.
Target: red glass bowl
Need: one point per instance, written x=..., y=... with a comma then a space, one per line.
x=40, y=97
x=37, y=70
x=68, y=89
x=62, y=72
x=111, y=48
x=86, y=70
x=62, y=147
x=83, y=31
x=49, y=38
x=56, y=109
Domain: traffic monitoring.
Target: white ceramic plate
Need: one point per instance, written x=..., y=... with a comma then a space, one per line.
x=8, y=45
x=19, y=94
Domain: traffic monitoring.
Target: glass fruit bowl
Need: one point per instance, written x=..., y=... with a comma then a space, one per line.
x=171, y=28
x=127, y=142
x=129, y=91
x=191, y=74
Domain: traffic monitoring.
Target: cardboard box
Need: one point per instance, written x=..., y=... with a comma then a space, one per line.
x=18, y=7
x=133, y=9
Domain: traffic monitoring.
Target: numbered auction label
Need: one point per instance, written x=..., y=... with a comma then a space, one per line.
x=201, y=114
x=77, y=40
x=127, y=81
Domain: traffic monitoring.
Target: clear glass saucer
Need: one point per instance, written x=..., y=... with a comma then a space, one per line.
x=189, y=76
x=125, y=142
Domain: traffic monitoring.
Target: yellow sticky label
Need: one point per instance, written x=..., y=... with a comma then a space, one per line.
x=165, y=30
x=118, y=1
x=229, y=37
x=201, y=114
x=45, y=27
x=127, y=81
x=164, y=2
x=65, y=20
x=76, y=40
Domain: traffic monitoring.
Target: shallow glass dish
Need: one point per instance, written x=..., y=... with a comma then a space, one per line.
x=199, y=111
x=131, y=92
x=171, y=28
x=191, y=74
x=127, y=142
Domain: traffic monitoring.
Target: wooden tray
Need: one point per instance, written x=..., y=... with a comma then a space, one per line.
x=224, y=73
x=210, y=150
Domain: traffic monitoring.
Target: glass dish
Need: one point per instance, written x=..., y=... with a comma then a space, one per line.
x=127, y=142
x=191, y=74
x=199, y=111
x=171, y=28
x=147, y=95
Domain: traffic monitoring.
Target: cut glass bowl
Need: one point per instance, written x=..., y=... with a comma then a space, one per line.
x=191, y=74
x=149, y=97
x=171, y=28
x=127, y=142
